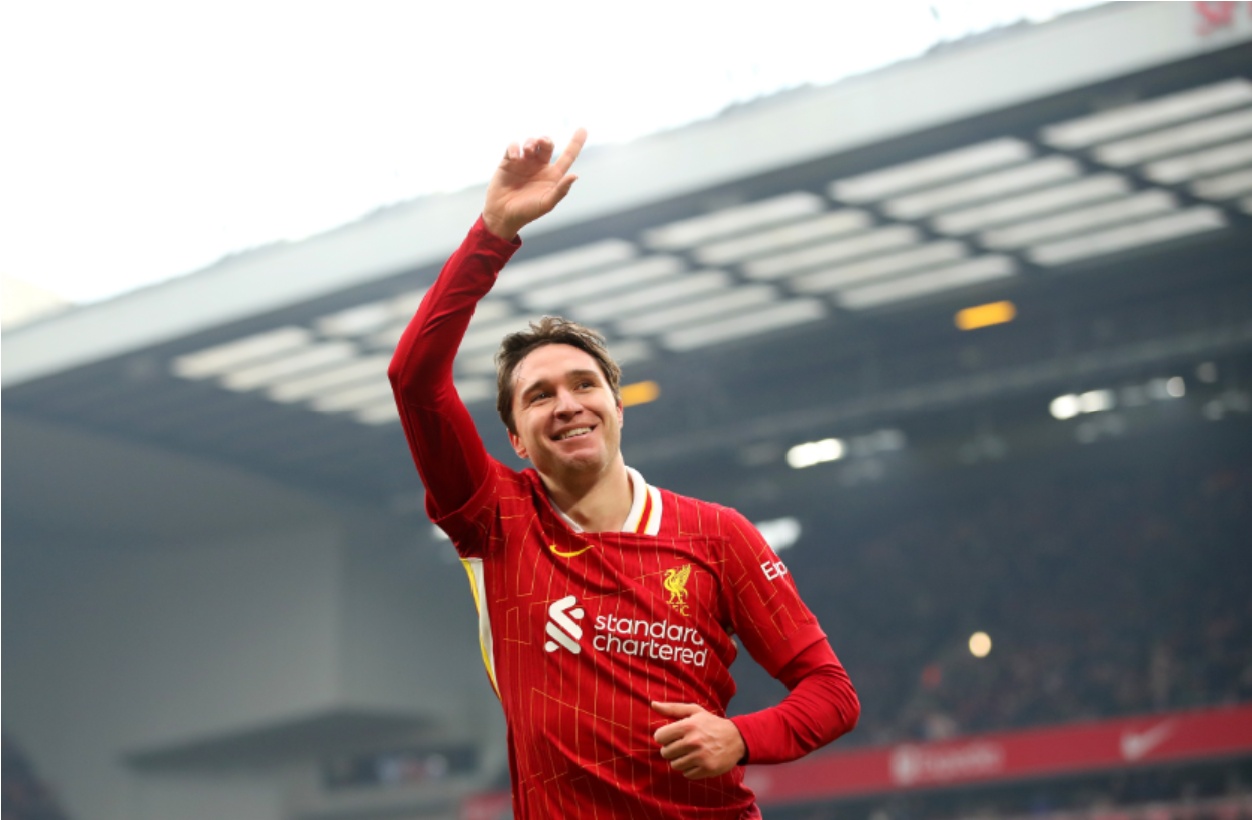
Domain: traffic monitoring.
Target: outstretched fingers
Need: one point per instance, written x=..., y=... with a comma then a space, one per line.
x=572, y=150
x=541, y=149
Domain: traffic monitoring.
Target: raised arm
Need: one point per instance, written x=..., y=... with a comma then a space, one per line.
x=445, y=445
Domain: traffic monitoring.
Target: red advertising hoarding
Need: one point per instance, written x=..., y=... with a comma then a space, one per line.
x=1073, y=748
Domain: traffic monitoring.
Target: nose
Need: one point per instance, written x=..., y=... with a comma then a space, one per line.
x=567, y=404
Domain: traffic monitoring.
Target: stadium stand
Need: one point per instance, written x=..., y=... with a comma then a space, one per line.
x=1105, y=595
x=1113, y=581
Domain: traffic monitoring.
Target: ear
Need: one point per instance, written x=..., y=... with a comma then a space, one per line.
x=518, y=446
x=621, y=413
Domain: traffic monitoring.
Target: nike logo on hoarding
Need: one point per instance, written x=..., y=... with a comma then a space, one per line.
x=573, y=554
x=1136, y=745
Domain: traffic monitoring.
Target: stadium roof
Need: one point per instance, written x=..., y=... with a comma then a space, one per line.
x=788, y=270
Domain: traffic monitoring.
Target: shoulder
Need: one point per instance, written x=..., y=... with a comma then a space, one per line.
x=506, y=490
x=522, y=484
x=506, y=501
x=695, y=516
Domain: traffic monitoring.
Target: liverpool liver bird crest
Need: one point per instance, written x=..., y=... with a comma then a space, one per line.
x=676, y=584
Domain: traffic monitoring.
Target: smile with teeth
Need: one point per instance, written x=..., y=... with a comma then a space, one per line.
x=577, y=431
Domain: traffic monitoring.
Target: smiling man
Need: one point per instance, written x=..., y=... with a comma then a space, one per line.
x=606, y=605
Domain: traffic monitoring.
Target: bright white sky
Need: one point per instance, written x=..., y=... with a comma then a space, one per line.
x=144, y=140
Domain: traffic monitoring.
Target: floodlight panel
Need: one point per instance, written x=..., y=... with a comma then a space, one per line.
x=876, y=267
x=476, y=363
x=1147, y=232
x=634, y=274
x=519, y=276
x=490, y=310
x=1135, y=150
x=624, y=304
x=355, y=321
x=474, y=390
x=280, y=367
x=1053, y=198
x=353, y=397
x=630, y=351
x=381, y=412
x=1022, y=177
x=363, y=319
x=689, y=232
x=795, y=233
x=932, y=170
x=784, y=314
x=1082, y=220
x=678, y=315
x=488, y=335
x=1225, y=186
x=305, y=387
x=981, y=269
x=1129, y=119
x=213, y=361
x=783, y=264
x=1201, y=163
x=405, y=304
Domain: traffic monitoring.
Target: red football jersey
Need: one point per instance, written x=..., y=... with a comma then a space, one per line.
x=582, y=631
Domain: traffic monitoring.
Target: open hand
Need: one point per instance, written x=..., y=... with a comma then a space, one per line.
x=527, y=184
x=698, y=744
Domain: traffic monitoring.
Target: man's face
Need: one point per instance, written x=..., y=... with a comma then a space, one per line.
x=566, y=416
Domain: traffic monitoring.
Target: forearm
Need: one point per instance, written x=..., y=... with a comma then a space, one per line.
x=424, y=355
x=442, y=438
x=821, y=706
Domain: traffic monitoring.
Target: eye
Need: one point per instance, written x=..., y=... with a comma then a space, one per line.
x=586, y=384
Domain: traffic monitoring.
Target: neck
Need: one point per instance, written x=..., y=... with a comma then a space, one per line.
x=597, y=502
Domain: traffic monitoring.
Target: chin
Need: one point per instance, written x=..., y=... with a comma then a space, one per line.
x=583, y=462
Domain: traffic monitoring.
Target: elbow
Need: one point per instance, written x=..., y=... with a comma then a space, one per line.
x=846, y=703
x=853, y=715
x=415, y=380
x=395, y=372
x=405, y=371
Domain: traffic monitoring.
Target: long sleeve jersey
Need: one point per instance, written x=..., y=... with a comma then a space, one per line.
x=582, y=631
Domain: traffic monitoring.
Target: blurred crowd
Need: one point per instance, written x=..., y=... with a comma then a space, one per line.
x=1110, y=584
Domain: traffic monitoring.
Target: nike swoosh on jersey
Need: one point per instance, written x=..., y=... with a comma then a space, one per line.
x=573, y=554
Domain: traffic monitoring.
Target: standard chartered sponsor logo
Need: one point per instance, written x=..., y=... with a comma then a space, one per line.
x=562, y=628
x=657, y=640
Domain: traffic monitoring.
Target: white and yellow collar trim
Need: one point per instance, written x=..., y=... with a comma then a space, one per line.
x=645, y=507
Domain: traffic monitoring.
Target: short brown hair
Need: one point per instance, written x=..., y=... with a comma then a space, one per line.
x=550, y=330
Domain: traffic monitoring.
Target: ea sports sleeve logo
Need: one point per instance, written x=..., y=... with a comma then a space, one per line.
x=561, y=627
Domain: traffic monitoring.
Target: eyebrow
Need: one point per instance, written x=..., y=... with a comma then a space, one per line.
x=578, y=373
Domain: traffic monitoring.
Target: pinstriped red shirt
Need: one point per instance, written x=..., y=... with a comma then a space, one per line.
x=581, y=631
